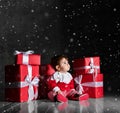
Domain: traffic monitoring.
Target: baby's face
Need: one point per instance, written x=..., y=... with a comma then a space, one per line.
x=64, y=65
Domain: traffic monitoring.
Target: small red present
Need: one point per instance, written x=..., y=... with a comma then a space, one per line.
x=86, y=65
x=91, y=84
x=21, y=82
x=46, y=70
x=27, y=58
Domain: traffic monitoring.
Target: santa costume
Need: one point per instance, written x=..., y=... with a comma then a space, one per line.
x=65, y=83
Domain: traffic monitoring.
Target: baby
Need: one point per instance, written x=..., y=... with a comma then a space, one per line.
x=61, y=83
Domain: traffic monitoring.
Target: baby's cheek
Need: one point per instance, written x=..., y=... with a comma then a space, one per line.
x=69, y=66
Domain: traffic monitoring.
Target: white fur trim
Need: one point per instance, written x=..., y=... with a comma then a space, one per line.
x=55, y=89
x=62, y=77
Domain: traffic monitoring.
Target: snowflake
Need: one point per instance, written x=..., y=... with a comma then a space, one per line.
x=65, y=16
x=46, y=38
x=114, y=9
x=18, y=40
x=86, y=37
x=71, y=40
x=50, y=25
x=56, y=7
x=32, y=11
x=13, y=26
x=3, y=37
x=44, y=50
x=74, y=34
x=79, y=44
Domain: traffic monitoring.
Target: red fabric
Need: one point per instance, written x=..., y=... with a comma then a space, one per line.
x=67, y=94
x=63, y=86
x=34, y=59
x=61, y=98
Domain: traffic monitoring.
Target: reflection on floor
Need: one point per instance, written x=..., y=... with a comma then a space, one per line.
x=107, y=104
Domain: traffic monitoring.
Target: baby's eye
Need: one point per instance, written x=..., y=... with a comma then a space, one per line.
x=65, y=62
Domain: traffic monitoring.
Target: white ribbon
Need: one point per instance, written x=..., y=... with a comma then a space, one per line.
x=92, y=68
x=93, y=84
x=80, y=85
x=31, y=83
x=25, y=59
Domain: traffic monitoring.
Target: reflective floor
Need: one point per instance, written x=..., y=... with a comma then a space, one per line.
x=108, y=104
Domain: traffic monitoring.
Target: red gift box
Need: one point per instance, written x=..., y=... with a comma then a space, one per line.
x=27, y=58
x=46, y=70
x=21, y=82
x=91, y=84
x=86, y=65
x=43, y=89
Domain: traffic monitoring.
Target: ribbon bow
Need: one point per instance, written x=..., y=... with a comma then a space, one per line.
x=22, y=52
x=93, y=68
x=79, y=87
x=31, y=83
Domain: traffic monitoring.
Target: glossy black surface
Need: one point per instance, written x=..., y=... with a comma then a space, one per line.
x=108, y=104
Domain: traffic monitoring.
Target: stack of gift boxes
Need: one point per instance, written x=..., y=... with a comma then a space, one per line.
x=22, y=78
x=27, y=78
x=87, y=76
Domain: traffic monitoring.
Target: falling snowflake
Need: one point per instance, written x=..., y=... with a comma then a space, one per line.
x=46, y=38
x=114, y=9
x=71, y=40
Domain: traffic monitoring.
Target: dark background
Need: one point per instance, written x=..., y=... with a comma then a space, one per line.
x=77, y=28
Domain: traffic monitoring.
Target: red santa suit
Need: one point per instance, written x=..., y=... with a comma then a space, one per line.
x=61, y=81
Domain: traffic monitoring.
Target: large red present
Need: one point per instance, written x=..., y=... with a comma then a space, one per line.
x=86, y=65
x=91, y=84
x=27, y=58
x=21, y=82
